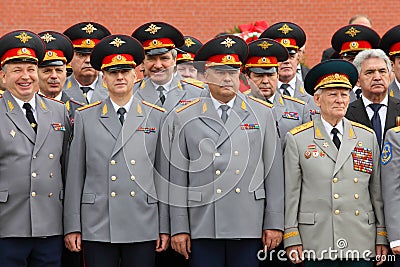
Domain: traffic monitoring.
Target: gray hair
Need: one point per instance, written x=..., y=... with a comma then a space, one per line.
x=174, y=53
x=4, y=68
x=371, y=53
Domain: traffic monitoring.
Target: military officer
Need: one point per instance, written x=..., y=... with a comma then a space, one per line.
x=34, y=136
x=184, y=60
x=292, y=37
x=351, y=39
x=52, y=71
x=162, y=86
x=111, y=200
x=85, y=85
x=226, y=191
x=261, y=68
x=390, y=44
x=332, y=184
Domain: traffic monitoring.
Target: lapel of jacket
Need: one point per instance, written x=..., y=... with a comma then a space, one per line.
x=348, y=142
x=135, y=117
x=358, y=113
x=109, y=118
x=323, y=140
x=209, y=115
x=44, y=117
x=73, y=90
x=16, y=115
x=147, y=92
x=238, y=114
x=393, y=110
x=279, y=106
x=175, y=94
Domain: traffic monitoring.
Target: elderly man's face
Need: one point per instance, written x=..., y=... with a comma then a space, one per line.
x=333, y=103
x=223, y=83
x=374, y=77
x=187, y=70
x=52, y=80
x=287, y=69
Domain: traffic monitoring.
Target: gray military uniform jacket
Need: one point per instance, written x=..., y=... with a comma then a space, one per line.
x=394, y=90
x=72, y=89
x=289, y=112
x=333, y=198
x=390, y=166
x=226, y=179
x=32, y=168
x=110, y=192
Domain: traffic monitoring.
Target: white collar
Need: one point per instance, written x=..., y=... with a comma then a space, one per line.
x=92, y=86
x=167, y=86
x=367, y=102
x=127, y=106
x=217, y=103
x=21, y=103
x=329, y=127
x=292, y=83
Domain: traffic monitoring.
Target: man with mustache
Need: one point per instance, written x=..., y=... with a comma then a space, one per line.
x=52, y=71
x=85, y=85
x=375, y=109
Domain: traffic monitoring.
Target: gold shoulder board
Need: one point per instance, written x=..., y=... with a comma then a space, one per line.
x=90, y=105
x=197, y=100
x=194, y=82
x=396, y=129
x=247, y=92
x=359, y=125
x=302, y=127
x=59, y=101
x=265, y=103
x=153, y=106
x=293, y=99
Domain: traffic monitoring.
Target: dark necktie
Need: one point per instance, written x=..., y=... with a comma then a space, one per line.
x=335, y=138
x=285, y=86
x=358, y=93
x=161, y=95
x=224, y=115
x=29, y=116
x=121, y=112
x=376, y=122
x=85, y=90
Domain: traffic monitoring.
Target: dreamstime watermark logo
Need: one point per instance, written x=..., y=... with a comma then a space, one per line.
x=329, y=253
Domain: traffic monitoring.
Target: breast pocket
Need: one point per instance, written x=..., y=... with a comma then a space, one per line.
x=306, y=218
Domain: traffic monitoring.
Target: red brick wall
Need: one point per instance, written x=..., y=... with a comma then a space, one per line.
x=201, y=18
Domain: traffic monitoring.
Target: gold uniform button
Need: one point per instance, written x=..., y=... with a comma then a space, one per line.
x=51, y=156
x=356, y=196
x=34, y=174
x=237, y=171
x=51, y=194
x=237, y=190
x=236, y=153
x=132, y=193
x=355, y=180
x=34, y=157
x=219, y=191
x=357, y=212
x=336, y=196
x=112, y=162
x=335, y=180
x=51, y=175
x=113, y=178
x=337, y=212
x=33, y=194
x=217, y=154
x=217, y=172
x=133, y=162
x=133, y=178
x=113, y=194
